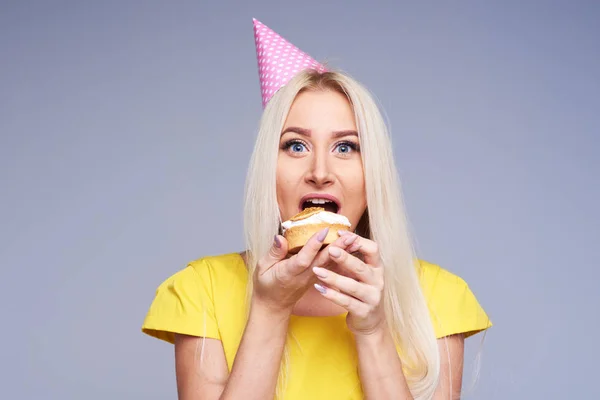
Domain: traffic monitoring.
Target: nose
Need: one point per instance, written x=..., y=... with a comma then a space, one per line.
x=319, y=172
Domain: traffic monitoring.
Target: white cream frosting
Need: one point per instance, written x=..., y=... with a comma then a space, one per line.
x=322, y=217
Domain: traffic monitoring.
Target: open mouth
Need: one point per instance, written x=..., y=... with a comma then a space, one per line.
x=329, y=204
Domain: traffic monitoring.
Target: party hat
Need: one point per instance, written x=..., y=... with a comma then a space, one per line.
x=278, y=60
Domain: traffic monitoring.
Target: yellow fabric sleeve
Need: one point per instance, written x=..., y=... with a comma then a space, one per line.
x=184, y=304
x=452, y=305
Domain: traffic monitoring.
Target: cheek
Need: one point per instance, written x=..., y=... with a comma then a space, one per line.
x=353, y=180
x=354, y=188
x=289, y=173
x=287, y=182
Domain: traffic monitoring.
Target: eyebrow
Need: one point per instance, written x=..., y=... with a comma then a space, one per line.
x=308, y=133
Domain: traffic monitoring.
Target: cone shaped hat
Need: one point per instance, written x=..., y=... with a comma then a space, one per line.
x=278, y=60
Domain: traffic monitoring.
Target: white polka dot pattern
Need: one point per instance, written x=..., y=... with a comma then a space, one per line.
x=278, y=60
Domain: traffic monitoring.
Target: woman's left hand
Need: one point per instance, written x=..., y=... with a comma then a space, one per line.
x=360, y=289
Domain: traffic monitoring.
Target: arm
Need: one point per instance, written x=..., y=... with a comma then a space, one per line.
x=256, y=366
x=360, y=292
x=255, y=369
x=194, y=380
x=380, y=368
x=451, y=367
x=279, y=283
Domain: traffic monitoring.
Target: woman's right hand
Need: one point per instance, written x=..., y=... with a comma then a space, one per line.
x=279, y=282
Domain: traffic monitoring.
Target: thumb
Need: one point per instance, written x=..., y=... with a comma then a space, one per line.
x=277, y=252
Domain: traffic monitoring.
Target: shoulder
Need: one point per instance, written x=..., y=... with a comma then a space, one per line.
x=191, y=300
x=231, y=264
x=452, y=304
x=432, y=276
x=205, y=270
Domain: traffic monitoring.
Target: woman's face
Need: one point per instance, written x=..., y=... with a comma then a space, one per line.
x=319, y=157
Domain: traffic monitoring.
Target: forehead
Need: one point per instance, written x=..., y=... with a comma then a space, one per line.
x=321, y=111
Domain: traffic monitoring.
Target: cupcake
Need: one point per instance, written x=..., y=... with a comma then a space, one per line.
x=298, y=229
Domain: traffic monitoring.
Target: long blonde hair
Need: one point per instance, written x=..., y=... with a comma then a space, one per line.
x=384, y=221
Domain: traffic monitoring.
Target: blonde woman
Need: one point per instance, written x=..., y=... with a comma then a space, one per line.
x=359, y=318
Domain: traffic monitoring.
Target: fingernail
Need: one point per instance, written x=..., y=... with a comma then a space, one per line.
x=323, y=234
x=350, y=239
x=277, y=242
x=335, y=252
x=320, y=288
x=320, y=272
x=343, y=232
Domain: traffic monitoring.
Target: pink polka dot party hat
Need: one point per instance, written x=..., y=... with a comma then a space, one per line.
x=278, y=60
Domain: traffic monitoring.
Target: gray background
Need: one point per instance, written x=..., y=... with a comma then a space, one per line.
x=126, y=128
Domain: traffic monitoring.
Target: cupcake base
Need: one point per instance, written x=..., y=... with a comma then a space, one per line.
x=297, y=236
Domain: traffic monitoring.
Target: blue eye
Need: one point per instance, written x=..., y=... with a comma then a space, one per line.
x=295, y=146
x=346, y=147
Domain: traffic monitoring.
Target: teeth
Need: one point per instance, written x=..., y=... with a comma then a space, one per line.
x=319, y=201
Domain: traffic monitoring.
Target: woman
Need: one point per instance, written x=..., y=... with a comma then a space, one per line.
x=360, y=318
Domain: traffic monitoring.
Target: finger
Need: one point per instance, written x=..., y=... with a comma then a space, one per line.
x=366, y=247
x=276, y=253
x=354, y=306
x=323, y=259
x=361, y=291
x=352, y=265
x=304, y=258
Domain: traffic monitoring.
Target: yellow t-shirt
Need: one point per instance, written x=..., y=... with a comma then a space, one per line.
x=207, y=298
